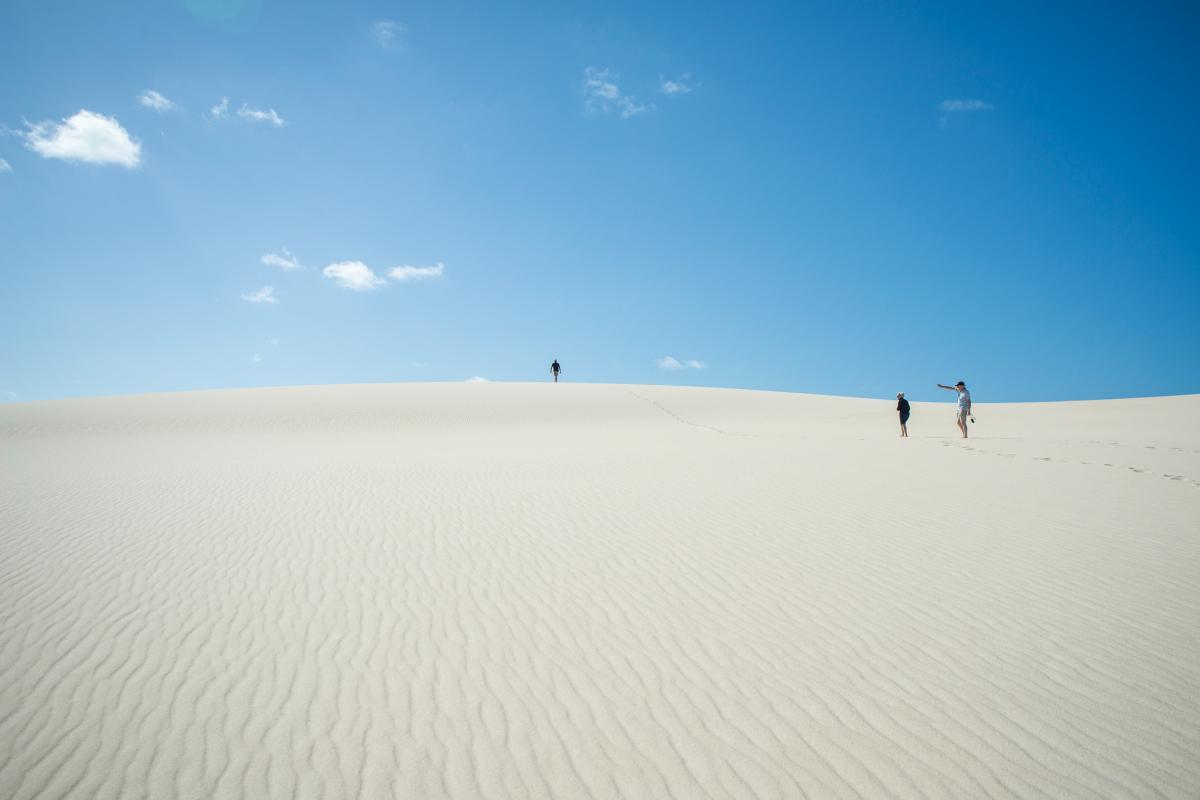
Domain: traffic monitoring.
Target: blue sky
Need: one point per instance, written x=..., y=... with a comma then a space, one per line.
x=837, y=198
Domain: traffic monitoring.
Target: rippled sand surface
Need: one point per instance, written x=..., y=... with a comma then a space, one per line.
x=589, y=591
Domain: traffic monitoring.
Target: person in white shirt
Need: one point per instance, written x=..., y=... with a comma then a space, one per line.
x=964, y=404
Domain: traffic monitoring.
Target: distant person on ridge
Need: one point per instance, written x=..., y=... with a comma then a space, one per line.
x=964, y=405
x=902, y=407
x=555, y=369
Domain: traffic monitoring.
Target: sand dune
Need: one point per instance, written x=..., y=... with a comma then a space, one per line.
x=585, y=591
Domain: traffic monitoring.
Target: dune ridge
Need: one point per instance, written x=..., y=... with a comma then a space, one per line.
x=558, y=591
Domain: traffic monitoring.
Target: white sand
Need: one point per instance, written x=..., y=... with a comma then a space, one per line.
x=510, y=590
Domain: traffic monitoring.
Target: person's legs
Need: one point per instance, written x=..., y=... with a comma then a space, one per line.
x=962, y=424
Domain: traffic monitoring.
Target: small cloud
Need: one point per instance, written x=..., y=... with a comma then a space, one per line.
x=477, y=379
x=387, y=32
x=152, y=99
x=673, y=364
x=9, y=395
x=5, y=166
x=273, y=341
x=286, y=262
x=416, y=273
x=681, y=85
x=964, y=105
x=353, y=275
x=420, y=364
x=88, y=137
x=220, y=110
x=258, y=115
x=264, y=295
x=602, y=95
x=256, y=359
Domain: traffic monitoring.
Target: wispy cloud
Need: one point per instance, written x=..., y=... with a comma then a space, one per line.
x=354, y=275
x=220, y=110
x=681, y=85
x=7, y=395
x=286, y=262
x=273, y=341
x=5, y=166
x=258, y=115
x=154, y=100
x=88, y=137
x=602, y=95
x=264, y=295
x=387, y=33
x=673, y=364
x=256, y=359
x=477, y=379
x=416, y=273
x=964, y=105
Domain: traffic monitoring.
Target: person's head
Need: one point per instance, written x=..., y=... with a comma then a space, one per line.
x=899, y=395
x=960, y=385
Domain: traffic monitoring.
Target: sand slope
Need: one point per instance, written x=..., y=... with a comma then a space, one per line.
x=510, y=590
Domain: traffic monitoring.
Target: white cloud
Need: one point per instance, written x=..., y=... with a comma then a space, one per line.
x=220, y=110
x=477, y=379
x=286, y=262
x=256, y=359
x=674, y=364
x=353, y=275
x=964, y=105
x=416, y=273
x=273, y=341
x=681, y=85
x=152, y=99
x=386, y=32
x=258, y=115
x=10, y=395
x=264, y=295
x=602, y=95
x=88, y=137
x=5, y=166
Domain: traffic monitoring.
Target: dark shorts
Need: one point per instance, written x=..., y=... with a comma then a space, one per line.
x=903, y=418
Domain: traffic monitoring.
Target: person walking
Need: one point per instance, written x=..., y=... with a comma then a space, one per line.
x=964, y=405
x=555, y=369
x=902, y=407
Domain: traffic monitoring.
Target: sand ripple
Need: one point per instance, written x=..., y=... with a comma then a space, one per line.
x=510, y=591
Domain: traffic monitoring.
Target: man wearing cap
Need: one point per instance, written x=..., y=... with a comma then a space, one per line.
x=964, y=404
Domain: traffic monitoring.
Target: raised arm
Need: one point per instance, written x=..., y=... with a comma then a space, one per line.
x=944, y=386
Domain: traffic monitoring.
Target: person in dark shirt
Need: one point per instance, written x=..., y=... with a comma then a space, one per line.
x=902, y=407
x=555, y=369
